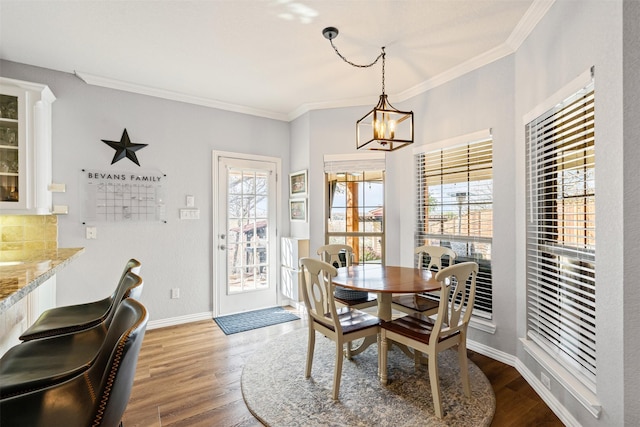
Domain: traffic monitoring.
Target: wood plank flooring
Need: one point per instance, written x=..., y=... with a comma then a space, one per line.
x=189, y=375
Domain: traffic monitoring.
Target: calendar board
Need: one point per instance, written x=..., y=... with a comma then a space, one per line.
x=120, y=196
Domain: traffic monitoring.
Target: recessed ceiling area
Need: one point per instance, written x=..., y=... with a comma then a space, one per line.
x=264, y=57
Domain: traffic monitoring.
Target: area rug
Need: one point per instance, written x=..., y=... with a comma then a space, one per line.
x=234, y=323
x=277, y=394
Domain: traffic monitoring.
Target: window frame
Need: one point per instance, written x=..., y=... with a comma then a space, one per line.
x=553, y=324
x=356, y=165
x=422, y=233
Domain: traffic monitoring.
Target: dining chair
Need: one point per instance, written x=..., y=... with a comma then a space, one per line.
x=432, y=336
x=339, y=255
x=40, y=363
x=73, y=318
x=340, y=325
x=416, y=303
x=95, y=397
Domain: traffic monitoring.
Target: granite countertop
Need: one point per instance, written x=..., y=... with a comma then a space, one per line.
x=17, y=280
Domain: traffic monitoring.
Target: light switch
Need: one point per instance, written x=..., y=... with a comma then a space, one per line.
x=189, y=213
x=191, y=201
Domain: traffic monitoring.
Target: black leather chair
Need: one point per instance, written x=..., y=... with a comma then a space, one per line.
x=96, y=397
x=40, y=363
x=73, y=318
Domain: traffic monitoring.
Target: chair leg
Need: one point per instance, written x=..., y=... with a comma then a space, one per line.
x=464, y=368
x=337, y=371
x=435, y=383
x=379, y=343
x=382, y=357
x=311, y=345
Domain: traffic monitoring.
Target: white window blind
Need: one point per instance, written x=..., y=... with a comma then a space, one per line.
x=454, y=208
x=561, y=240
x=361, y=162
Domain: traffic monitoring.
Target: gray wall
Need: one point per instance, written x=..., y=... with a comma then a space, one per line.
x=573, y=36
x=300, y=135
x=631, y=192
x=181, y=139
x=476, y=101
x=479, y=100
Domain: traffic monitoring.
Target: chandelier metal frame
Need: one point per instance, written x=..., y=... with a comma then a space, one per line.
x=384, y=128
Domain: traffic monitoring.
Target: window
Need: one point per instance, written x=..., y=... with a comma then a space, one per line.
x=355, y=206
x=455, y=208
x=561, y=240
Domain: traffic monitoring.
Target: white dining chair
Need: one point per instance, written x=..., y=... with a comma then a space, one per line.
x=416, y=303
x=432, y=336
x=334, y=254
x=340, y=325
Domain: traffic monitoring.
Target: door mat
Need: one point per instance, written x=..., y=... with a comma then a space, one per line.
x=241, y=322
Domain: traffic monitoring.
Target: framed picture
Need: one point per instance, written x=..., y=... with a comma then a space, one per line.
x=298, y=183
x=298, y=210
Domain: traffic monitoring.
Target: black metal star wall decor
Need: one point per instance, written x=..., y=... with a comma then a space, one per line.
x=125, y=147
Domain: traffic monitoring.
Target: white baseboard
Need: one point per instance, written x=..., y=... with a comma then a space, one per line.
x=565, y=416
x=552, y=402
x=163, y=323
x=498, y=355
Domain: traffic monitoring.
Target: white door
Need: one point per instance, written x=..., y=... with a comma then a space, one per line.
x=245, y=238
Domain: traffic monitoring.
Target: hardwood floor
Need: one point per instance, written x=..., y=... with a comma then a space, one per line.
x=189, y=375
x=517, y=404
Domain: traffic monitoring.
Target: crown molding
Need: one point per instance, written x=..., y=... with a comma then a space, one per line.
x=343, y=103
x=43, y=90
x=457, y=71
x=175, y=96
x=522, y=30
x=531, y=18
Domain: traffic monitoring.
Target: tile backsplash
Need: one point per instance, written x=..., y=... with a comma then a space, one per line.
x=21, y=234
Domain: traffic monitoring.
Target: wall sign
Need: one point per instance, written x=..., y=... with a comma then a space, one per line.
x=121, y=196
x=124, y=148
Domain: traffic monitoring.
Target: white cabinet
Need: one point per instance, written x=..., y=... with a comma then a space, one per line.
x=291, y=250
x=25, y=147
x=41, y=299
x=13, y=322
x=17, y=318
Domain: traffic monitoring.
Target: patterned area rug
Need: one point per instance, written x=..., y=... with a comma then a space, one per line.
x=241, y=322
x=276, y=392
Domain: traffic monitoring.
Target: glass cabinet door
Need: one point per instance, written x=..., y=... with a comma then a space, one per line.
x=25, y=147
x=11, y=149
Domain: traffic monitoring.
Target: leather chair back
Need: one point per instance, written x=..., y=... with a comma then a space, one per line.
x=95, y=397
x=115, y=368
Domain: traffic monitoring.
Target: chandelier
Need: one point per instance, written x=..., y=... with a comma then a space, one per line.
x=385, y=128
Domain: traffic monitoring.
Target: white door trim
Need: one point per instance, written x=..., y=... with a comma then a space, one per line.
x=215, y=224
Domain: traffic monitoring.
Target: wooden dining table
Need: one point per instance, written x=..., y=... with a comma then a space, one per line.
x=384, y=280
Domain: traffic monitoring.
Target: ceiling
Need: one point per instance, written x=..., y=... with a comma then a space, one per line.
x=265, y=57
